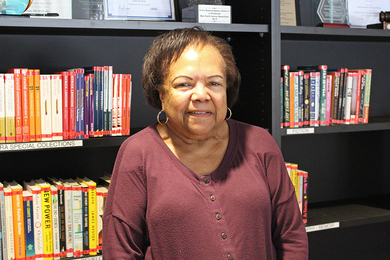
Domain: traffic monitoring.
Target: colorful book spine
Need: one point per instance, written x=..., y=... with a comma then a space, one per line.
x=115, y=105
x=46, y=120
x=65, y=104
x=335, y=96
x=105, y=100
x=55, y=222
x=3, y=238
x=47, y=219
x=81, y=103
x=18, y=104
x=306, y=99
x=300, y=97
x=328, y=99
x=68, y=217
x=87, y=126
x=25, y=105
x=9, y=85
x=109, y=97
x=38, y=229
x=362, y=92
x=348, y=99
x=367, y=93
x=292, y=99
x=91, y=104
x=2, y=110
x=355, y=83
x=101, y=194
x=85, y=205
x=29, y=224
x=31, y=103
x=37, y=106
x=72, y=105
x=286, y=96
x=305, y=196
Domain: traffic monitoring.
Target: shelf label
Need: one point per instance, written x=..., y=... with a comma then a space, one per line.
x=293, y=131
x=323, y=227
x=40, y=145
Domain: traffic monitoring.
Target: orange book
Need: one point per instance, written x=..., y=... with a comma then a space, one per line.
x=18, y=219
x=25, y=105
x=18, y=104
x=37, y=105
x=124, y=102
x=31, y=104
x=128, y=104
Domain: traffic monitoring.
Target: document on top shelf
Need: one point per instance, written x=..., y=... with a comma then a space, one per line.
x=50, y=9
x=363, y=12
x=140, y=9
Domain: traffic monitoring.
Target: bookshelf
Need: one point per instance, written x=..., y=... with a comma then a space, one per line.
x=348, y=165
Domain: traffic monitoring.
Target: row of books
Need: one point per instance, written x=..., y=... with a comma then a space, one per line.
x=317, y=96
x=51, y=219
x=74, y=104
x=300, y=180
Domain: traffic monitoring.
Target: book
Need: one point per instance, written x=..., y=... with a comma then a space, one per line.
x=47, y=219
x=328, y=99
x=31, y=103
x=300, y=98
x=29, y=224
x=35, y=190
x=91, y=102
x=18, y=103
x=55, y=222
x=2, y=110
x=116, y=81
x=68, y=217
x=92, y=214
x=306, y=99
x=335, y=96
x=9, y=222
x=367, y=93
x=109, y=97
x=46, y=111
x=9, y=88
x=65, y=104
x=101, y=194
x=286, y=96
x=314, y=98
x=293, y=87
x=18, y=219
x=61, y=213
x=362, y=92
x=3, y=238
x=106, y=72
x=37, y=106
x=355, y=96
x=304, y=194
x=56, y=107
x=25, y=105
x=85, y=206
x=72, y=105
x=348, y=99
x=87, y=86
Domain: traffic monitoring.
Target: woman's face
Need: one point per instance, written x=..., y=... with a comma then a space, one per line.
x=194, y=96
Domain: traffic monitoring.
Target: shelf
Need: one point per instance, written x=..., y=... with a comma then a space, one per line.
x=345, y=216
x=323, y=33
x=113, y=27
x=375, y=124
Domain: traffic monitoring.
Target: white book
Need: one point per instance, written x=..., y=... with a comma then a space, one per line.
x=2, y=109
x=38, y=230
x=101, y=193
x=46, y=126
x=55, y=221
x=3, y=226
x=56, y=106
x=68, y=218
x=348, y=100
x=9, y=90
x=9, y=222
x=110, y=93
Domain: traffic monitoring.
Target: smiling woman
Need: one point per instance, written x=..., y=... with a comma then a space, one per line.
x=199, y=185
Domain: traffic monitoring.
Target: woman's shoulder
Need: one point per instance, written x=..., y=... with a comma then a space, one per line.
x=142, y=139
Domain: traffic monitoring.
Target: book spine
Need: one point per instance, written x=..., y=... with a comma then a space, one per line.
x=9, y=224
x=306, y=100
x=362, y=92
x=3, y=243
x=46, y=124
x=129, y=95
x=68, y=220
x=37, y=105
x=77, y=221
x=38, y=220
x=87, y=126
x=322, y=99
x=91, y=104
x=358, y=94
x=47, y=223
x=86, y=234
x=92, y=213
x=109, y=98
x=31, y=104
x=305, y=196
x=367, y=93
x=81, y=104
x=328, y=99
x=354, y=97
x=344, y=97
x=313, y=98
x=29, y=227
x=9, y=85
x=120, y=111
x=300, y=189
x=124, y=103
x=300, y=97
x=348, y=99
x=115, y=104
x=65, y=104
x=18, y=221
x=286, y=96
x=101, y=102
x=97, y=82
x=61, y=217
x=72, y=105
x=2, y=110
x=56, y=107
x=292, y=99
x=56, y=223
x=336, y=93
x=105, y=100
x=18, y=106
x=25, y=105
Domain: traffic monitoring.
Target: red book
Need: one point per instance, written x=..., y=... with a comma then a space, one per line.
x=65, y=104
x=31, y=104
x=128, y=104
x=18, y=104
x=25, y=105
x=72, y=105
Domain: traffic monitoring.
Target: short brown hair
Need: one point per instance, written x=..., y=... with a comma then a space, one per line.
x=168, y=47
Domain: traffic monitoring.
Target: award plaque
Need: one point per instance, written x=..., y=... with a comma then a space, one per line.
x=332, y=11
x=206, y=11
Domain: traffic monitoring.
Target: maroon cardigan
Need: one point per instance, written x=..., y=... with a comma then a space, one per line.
x=157, y=208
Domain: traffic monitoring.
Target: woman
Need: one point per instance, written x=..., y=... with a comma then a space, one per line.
x=199, y=185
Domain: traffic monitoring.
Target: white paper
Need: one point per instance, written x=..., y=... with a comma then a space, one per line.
x=363, y=12
x=139, y=9
x=41, y=7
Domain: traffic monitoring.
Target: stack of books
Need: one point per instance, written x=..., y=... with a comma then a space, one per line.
x=74, y=104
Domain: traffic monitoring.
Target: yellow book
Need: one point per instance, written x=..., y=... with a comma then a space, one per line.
x=31, y=104
x=295, y=179
x=18, y=219
x=47, y=219
x=92, y=215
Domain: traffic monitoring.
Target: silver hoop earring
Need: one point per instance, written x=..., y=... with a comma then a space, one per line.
x=230, y=114
x=158, y=118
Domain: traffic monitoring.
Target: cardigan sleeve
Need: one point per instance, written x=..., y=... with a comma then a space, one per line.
x=124, y=229
x=289, y=234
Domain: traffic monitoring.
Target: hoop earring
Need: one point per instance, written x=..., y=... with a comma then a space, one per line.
x=230, y=114
x=158, y=118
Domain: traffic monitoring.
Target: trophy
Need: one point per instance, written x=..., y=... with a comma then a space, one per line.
x=333, y=13
x=206, y=11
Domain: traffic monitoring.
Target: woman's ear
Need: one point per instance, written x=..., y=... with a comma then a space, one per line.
x=161, y=95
